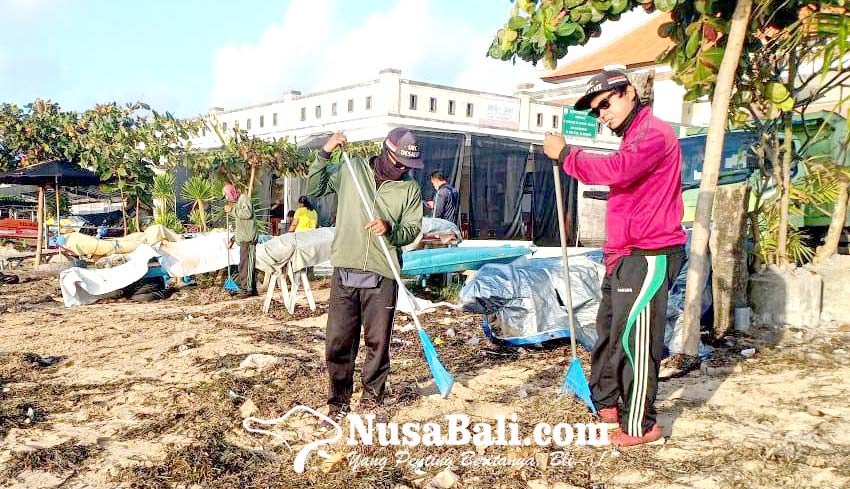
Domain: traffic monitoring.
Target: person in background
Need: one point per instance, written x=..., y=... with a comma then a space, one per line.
x=276, y=215
x=246, y=237
x=643, y=252
x=445, y=203
x=305, y=217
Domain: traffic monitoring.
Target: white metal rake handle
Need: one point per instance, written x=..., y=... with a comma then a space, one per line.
x=382, y=240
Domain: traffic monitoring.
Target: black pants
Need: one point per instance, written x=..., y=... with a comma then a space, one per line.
x=630, y=327
x=349, y=309
x=247, y=270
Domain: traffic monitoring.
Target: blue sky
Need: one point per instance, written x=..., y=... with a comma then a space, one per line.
x=187, y=55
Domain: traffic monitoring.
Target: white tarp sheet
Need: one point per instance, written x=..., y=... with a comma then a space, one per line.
x=432, y=226
x=81, y=286
x=203, y=253
x=303, y=249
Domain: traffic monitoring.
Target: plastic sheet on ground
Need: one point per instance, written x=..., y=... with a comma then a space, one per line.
x=81, y=286
x=432, y=226
x=525, y=299
x=303, y=249
x=203, y=253
x=517, y=296
x=673, y=333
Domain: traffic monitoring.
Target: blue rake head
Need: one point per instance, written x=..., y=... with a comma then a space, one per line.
x=230, y=285
x=442, y=377
x=576, y=383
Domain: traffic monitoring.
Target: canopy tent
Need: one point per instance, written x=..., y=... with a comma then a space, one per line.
x=41, y=175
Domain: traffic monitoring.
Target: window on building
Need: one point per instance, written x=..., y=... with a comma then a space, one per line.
x=433, y=105
x=451, y=107
x=274, y=119
x=318, y=112
x=351, y=105
x=469, y=110
x=262, y=121
x=413, y=100
x=224, y=125
x=333, y=108
x=303, y=113
x=554, y=122
x=248, y=124
x=539, y=119
x=236, y=125
x=368, y=103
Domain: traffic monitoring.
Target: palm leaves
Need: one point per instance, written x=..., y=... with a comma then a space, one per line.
x=163, y=193
x=818, y=189
x=200, y=191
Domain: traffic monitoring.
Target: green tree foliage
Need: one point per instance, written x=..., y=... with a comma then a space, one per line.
x=38, y=132
x=241, y=156
x=795, y=53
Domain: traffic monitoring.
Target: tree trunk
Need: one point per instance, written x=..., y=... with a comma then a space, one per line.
x=39, y=240
x=124, y=212
x=203, y=213
x=251, y=181
x=836, y=225
x=698, y=261
x=785, y=199
x=138, y=215
x=787, y=158
x=728, y=256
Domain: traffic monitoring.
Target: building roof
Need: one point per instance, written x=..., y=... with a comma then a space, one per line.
x=638, y=47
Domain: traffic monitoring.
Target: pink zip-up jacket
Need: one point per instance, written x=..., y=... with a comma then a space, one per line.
x=645, y=178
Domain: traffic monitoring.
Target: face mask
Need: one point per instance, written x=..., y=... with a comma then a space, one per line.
x=386, y=170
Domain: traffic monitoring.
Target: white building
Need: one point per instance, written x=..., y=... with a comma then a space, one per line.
x=369, y=110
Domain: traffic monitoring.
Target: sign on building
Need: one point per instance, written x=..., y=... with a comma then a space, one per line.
x=500, y=114
x=578, y=123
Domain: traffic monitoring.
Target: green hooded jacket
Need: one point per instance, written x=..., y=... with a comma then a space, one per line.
x=399, y=202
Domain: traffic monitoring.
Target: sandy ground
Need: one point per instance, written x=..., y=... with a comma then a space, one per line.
x=124, y=394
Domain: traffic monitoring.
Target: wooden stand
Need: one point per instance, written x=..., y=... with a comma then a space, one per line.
x=279, y=279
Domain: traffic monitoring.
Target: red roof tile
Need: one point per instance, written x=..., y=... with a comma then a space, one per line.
x=638, y=47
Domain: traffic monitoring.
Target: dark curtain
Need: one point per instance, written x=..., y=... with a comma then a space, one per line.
x=544, y=210
x=498, y=178
x=441, y=151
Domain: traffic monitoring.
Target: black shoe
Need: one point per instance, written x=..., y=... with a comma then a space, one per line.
x=337, y=414
x=8, y=279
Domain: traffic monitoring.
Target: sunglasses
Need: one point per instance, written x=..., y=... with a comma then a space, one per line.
x=602, y=105
x=395, y=162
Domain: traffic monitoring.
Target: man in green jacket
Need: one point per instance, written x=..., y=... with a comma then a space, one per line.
x=246, y=237
x=363, y=291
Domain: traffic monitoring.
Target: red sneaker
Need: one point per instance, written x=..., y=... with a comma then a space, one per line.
x=620, y=438
x=609, y=415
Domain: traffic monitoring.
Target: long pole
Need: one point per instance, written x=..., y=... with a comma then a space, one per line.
x=40, y=220
x=58, y=214
x=559, y=197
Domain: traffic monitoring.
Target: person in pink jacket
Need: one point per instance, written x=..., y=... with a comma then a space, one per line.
x=643, y=253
